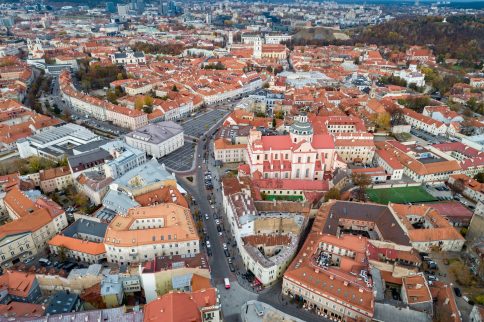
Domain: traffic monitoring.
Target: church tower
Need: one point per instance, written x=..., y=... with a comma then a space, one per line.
x=231, y=38
x=301, y=130
x=372, y=94
x=258, y=47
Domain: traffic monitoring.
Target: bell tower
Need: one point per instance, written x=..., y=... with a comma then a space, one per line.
x=258, y=47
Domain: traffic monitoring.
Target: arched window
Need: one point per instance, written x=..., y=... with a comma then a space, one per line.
x=295, y=140
x=258, y=157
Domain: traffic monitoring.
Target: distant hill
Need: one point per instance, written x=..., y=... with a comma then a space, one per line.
x=320, y=33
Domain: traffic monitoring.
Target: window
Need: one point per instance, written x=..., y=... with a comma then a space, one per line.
x=299, y=159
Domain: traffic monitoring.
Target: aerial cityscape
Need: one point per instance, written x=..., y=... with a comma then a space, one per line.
x=255, y=161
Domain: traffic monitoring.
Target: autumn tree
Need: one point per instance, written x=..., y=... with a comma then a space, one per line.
x=148, y=100
x=62, y=161
x=461, y=273
x=361, y=181
x=332, y=194
x=138, y=103
x=62, y=253
x=472, y=102
x=111, y=96
x=266, y=85
x=456, y=187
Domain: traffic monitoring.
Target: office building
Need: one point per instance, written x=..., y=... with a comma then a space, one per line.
x=122, y=10
x=140, y=8
x=110, y=7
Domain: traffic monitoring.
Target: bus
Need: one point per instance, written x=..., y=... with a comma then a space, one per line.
x=227, y=283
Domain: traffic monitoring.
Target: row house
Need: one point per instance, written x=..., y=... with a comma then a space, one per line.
x=178, y=108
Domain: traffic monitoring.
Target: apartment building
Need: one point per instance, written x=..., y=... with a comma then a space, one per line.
x=55, y=179
x=126, y=117
x=421, y=170
x=138, y=88
x=355, y=147
x=423, y=122
x=390, y=165
x=19, y=287
x=125, y=158
x=322, y=274
x=203, y=305
x=82, y=240
x=149, y=232
x=157, y=139
x=225, y=151
x=94, y=185
x=471, y=188
x=25, y=237
x=165, y=273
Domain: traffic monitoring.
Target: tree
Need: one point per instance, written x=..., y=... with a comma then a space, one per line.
x=264, y=196
x=362, y=181
x=62, y=161
x=269, y=69
x=463, y=231
x=199, y=225
x=111, y=95
x=479, y=177
x=266, y=85
x=472, y=102
x=20, y=166
x=461, y=274
x=175, y=89
x=148, y=100
x=467, y=112
x=332, y=194
x=62, y=253
x=138, y=104
x=57, y=110
x=86, y=84
x=260, y=114
x=274, y=123
x=383, y=120
x=279, y=114
x=34, y=164
x=79, y=198
x=148, y=109
x=456, y=187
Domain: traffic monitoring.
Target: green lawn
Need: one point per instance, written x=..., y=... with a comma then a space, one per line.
x=399, y=195
x=289, y=197
x=456, y=67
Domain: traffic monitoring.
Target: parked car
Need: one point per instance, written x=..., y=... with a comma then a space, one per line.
x=432, y=278
x=208, y=244
x=456, y=199
x=215, y=216
x=224, y=245
x=219, y=229
x=209, y=252
x=28, y=260
x=471, y=207
x=429, y=272
x=227, y=254
x=457, y=292
x=232, y=268
x=229, y=260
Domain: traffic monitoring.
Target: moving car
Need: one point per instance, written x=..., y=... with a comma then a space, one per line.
x=206, y=216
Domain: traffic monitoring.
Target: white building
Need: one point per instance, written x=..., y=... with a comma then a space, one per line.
x=411, y=75
x=129, y=57
x=276, y=39
x=390, y=164
x=157, y=139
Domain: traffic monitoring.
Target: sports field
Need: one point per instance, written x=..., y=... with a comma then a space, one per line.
x=399, y=195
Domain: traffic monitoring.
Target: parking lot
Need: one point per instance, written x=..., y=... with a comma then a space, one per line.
x=430, y=138
x=181, y=159
x=195, y=127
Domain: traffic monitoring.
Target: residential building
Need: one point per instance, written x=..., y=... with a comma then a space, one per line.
x=322, y=275
x=83, y=241
x=161, y=275
x=423, y=170
x=93, y=185
x=19, y=287
x=63, y=302
x=477, y=313
x=126, y=117
x=423, y=122
x=112, y=291
x=203, y=305
x=25, y=237
x=55, y=179
x=89, y=161
x=149, y=232
x=225, y=151
x=390, y=165
x=355, y=147
x=471, y=188
x=25, y=310
x=157, y=139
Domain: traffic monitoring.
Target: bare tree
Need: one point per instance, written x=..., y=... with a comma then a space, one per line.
x=457, y=187
x=362, y=181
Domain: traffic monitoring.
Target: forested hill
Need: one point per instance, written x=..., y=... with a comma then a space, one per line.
x=461, y=36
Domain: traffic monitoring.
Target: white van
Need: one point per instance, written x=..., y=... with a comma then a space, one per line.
x=258, y=309
x=44, y=262
x=227, y=283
